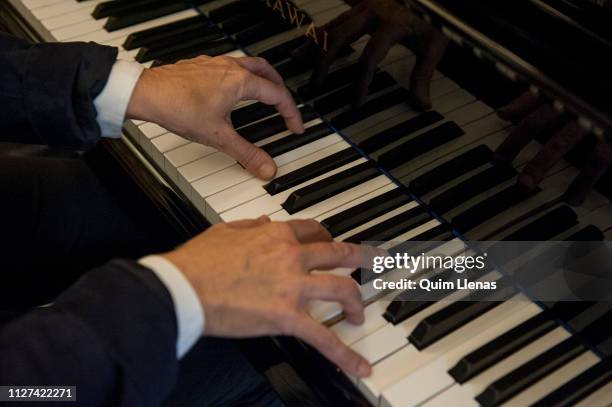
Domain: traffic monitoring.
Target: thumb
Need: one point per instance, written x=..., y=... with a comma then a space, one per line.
x=252, y=158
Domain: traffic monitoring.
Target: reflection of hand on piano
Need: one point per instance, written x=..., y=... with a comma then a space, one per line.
x=388, y=22
x=534, y=118
x=252, y=278
x=194, y=99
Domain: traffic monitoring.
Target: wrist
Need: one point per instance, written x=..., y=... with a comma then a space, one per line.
x=142, y=102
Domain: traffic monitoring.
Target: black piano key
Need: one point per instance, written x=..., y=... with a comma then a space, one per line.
x=137, y=16
x=290, y=68
x=399, y=311
x=403, y=129
x=448, y=319
x=462, y=164
x=365, y=212
x=532, y=371
x=257, y=111
x=471, y=187
x=372, y=107
x=491, y=206
x=292, y=142
x=501, y=347
x=319, y=191
x=344, y=76
x=546, y=227
x=580, y=387
x=108, y=8
x=343, y=97
x=590, y=233
x=393, y=227
x=311, y=171
x=282, y=51
x=236, y=7
x=251, y=113
x=163, y=51
x=271, y=126
x=420, y=145
x=410, y=302
x=262, y=30
x=244, y=21
x=212, y=49
x=430, y=239
x=511, y=341
x=164, y=35
x=442, y=232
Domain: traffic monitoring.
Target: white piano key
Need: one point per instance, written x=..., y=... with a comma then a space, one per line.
x=79, y=29
x=185, y=154
x=442, y=87
x=433, y=378
x=554, y=380
x=308, y=149
x=373, y=321
x=64, y=7
x=81, y=32
x=205, y=166
x=452, y=101
x=128, y=55
x=162, y=144
x=168, y=142
x=357, y=201
x=469, y=113
x=376, y=221
x=600, y=398
x=152, y=130
x=244, y=192
x=234, y=175
x=69, y=18
x=267, y=204
x=34, y=4
x=407, y=359
x=463, y=395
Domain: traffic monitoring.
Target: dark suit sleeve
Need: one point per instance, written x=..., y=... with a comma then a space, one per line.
x=112, y=334
x=47, y=91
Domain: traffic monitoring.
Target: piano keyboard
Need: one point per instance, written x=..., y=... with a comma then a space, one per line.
x=513, y=353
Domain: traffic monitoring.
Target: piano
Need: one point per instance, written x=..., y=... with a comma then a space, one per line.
x=389, y=172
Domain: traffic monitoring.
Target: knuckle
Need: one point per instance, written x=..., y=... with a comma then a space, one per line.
x=282, y=229
x=341, y=249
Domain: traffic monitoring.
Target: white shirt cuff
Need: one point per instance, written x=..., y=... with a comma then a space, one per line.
x=189, y=312
x=111, y=104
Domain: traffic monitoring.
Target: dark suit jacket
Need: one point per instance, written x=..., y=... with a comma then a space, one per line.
x=113, y=333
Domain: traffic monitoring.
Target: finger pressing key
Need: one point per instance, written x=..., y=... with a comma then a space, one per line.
x=329, y=287
x=326, y=342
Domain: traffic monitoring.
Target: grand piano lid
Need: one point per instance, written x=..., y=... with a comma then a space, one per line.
x=562, y=48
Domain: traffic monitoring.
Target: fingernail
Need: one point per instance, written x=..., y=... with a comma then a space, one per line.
x=267, y=171
x=364, y=369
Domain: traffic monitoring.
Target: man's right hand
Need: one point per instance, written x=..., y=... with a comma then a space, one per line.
x=252, y=278
x=194, y=98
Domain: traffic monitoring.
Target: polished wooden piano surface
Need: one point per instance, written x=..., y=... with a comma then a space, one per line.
x=383, y=172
